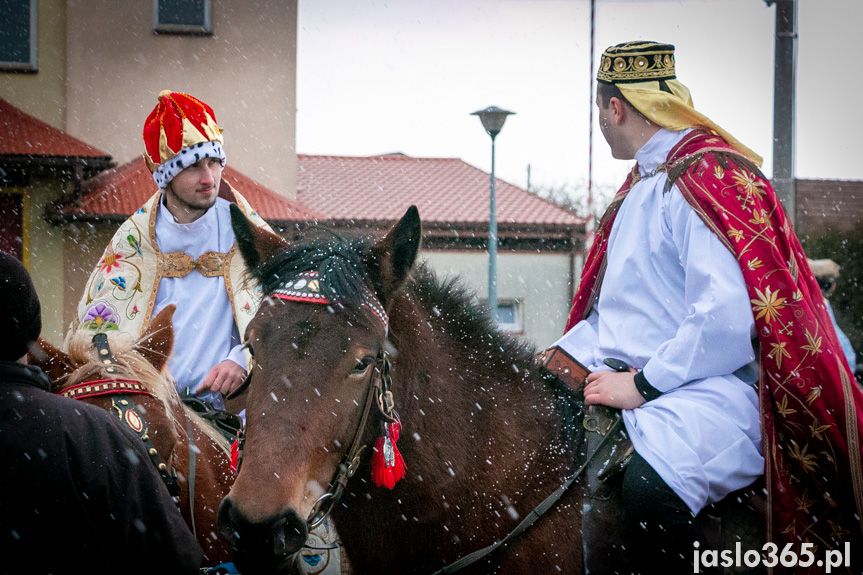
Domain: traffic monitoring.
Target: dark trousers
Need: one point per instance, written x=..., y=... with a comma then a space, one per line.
x=660, y=529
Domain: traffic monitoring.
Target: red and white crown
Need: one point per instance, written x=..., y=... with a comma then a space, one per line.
x=178, y=132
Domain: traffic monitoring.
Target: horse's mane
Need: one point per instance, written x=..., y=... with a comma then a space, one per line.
x=130, y=364
x=452, y=307
x=338, y=261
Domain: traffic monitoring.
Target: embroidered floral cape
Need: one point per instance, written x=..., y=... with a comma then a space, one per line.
x=811, y=407
x=121, y=291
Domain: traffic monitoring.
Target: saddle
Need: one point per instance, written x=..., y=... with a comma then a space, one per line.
x=599, y=422
x=226, y=423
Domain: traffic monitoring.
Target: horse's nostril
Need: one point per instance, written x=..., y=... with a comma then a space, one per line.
x=292, y=534
x=280, y=545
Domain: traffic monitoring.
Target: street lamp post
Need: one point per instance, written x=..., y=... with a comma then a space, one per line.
x=492, y=119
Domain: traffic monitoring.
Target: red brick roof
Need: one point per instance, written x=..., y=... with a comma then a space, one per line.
x=446, y=190
x=116, y=193
x=24, y=135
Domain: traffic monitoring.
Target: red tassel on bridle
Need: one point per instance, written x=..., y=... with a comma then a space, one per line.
x=235, y=456
x=237, y=453
x=388, y=466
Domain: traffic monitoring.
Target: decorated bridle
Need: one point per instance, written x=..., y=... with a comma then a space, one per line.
x=123, y=406
x=387, y=463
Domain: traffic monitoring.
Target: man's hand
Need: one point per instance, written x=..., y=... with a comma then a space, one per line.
x=614, y=389
x=224, y=378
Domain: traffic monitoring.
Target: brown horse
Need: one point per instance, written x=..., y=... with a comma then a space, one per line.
x=169, y=423
x=485, y=434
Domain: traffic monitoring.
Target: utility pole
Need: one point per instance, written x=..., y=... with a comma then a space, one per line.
x=590, y=223
x=784, y=108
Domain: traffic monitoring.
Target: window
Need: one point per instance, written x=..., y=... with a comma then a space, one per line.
x=509, y=315
x=18, y=36
x=182, y=17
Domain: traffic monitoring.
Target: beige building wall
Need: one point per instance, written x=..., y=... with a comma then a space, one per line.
x=43, y=255
x=541, y=282
x=43, y=94
x=246, y=71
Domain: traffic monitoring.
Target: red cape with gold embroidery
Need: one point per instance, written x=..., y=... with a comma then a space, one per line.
x=811, y=407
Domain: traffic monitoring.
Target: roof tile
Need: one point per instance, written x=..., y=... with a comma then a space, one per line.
x=24, y=135
x=122, y=190
x=445, y=190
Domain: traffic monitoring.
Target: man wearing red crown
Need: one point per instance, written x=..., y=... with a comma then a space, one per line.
x=697, y=281
x=179, y=248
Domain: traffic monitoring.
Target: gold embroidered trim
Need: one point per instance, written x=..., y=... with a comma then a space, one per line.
x=768, y=444
x=689, y=197
x=851, y=432
x=180, y=264
x=646, y=66
x=228, y=286
x=155, y=290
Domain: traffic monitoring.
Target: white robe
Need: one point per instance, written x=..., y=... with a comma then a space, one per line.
x=205, y=333
x=674, y=304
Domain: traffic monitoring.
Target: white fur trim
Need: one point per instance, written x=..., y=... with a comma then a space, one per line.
x=185, y=158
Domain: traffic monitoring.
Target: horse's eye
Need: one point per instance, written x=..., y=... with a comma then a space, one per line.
x=362, y=365
x=248, y=346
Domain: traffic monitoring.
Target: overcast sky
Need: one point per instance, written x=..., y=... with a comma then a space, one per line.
x=403, y=76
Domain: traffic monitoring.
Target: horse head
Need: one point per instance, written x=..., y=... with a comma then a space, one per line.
x=142, y=362
x=318, y=343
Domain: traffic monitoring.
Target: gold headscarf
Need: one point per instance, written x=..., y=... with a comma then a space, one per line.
x=644, y=74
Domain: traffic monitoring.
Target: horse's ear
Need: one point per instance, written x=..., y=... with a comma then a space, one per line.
x=395, y=254
x=56, y=364
x=255, y=243
x=157, y=343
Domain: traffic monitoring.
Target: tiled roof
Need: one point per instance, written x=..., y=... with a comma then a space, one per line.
x=445, y=190
x=116, y=193
x=24, y=135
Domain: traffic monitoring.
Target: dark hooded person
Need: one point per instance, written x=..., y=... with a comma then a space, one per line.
x=78, y=493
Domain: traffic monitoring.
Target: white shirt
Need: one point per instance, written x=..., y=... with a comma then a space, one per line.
x=205, y=333
x=673, y=303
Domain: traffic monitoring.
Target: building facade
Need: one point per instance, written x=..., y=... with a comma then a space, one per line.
x=79, y=77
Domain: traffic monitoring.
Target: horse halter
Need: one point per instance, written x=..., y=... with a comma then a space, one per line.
x=378, y=392
x=305, y=288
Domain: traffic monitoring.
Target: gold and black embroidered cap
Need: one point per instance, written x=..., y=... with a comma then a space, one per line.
x=645, y=74
x=637, y=62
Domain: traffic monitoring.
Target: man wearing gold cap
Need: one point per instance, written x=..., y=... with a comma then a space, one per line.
x=697, y=281
x=179, y=248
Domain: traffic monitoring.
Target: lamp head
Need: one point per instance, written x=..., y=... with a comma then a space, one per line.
x=492, y=119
